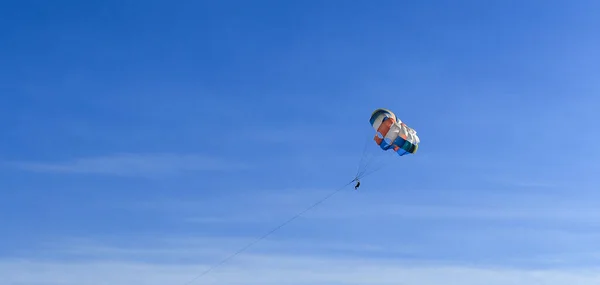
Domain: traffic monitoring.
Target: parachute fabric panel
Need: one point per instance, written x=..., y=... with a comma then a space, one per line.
x=392, y=133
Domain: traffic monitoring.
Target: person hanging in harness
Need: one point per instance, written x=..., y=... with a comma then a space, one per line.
x=357, y=184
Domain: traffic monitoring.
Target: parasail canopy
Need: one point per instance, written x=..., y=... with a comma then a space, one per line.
x=392, y=133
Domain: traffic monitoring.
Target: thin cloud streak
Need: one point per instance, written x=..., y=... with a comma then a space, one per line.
x=185, y=250
x=273, y=269
x=135, y=165
x=263, y=204
x=508, y=212
x=176, y=260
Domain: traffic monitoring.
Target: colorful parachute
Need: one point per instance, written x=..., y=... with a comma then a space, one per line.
x=392, y=133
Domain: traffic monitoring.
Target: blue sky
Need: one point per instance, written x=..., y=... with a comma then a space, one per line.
x=143, y=141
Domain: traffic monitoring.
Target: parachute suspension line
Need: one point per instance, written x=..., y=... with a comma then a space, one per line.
x=369, y=161
x=362, y=158
x=365, y=168
x=365, y=173
x=331, y=194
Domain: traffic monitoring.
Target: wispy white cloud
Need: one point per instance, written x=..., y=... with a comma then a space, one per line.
x=262, y=205
x=135, y=165
x=278, y=271
x=524, y=180
x=464, y=212
x=251, y=206
x=534, y=184
x=206, y=249
x=289, y=134
x=114, y=266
